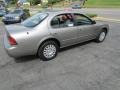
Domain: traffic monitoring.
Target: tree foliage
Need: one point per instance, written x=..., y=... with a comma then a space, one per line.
x=53, y=1
x=13, y=1
x=34, y=2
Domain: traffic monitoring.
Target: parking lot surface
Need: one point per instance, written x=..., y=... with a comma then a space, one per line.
x=87, y=66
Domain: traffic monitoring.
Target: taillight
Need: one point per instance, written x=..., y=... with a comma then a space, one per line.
x=12, y=41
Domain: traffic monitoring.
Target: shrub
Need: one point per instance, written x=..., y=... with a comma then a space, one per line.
x=27, y=12
x=34, y=2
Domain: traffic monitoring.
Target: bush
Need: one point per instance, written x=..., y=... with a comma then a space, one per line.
x=27, y=11
x=13, y=1
x=53, y=1
x=34, y=2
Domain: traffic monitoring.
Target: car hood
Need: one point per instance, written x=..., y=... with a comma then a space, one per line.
x=12, y=15
x=16, y=28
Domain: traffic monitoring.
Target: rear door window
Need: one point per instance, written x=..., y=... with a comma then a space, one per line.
x=62, y=21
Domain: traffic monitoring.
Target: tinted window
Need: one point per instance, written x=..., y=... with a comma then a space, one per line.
x=64, y=20
x=82, y=20
x=55, y=22
x=34, y=20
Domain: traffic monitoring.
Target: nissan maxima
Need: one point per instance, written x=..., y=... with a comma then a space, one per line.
x=46, y=32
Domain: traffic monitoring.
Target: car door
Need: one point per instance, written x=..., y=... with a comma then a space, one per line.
x=63, y=28
x=85, y=27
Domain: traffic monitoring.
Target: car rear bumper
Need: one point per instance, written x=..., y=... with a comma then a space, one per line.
x=17, y=51
x=10, y=21
x=14, y=51
x=11, y=50
x=76, y=7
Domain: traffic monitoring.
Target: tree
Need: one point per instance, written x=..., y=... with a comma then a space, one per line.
x=84, y=2
x=14, y=1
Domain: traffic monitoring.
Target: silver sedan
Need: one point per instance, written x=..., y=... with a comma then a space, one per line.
x=46, y=32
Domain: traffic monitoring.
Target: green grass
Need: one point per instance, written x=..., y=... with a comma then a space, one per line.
x=103, y=3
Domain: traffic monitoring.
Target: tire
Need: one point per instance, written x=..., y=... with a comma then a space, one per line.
x=101, y=37
x=44, y=52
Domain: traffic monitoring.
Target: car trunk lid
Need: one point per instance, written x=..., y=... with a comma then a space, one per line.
x=17, y=28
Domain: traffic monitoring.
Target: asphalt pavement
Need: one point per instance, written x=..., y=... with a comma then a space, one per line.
x=87, y=66
x=112, y=13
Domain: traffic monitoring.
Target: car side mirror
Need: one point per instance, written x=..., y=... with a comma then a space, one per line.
x=93, y=22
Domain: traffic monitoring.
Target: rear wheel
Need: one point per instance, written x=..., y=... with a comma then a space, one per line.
x=48, y=50
x=101, y=37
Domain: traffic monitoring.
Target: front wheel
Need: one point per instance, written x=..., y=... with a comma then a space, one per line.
x=48, y=50
x=101, y=37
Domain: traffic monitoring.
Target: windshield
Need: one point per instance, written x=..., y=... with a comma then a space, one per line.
x=16, y=12
x=34, y=20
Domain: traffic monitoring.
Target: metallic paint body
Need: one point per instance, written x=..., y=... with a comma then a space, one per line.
x=30, y=39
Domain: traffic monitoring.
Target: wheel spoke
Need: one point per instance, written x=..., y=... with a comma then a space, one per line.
x=102, y=36
x=49, y=51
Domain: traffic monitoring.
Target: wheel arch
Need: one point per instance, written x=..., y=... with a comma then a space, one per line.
x=105, y=29
x=49, y=39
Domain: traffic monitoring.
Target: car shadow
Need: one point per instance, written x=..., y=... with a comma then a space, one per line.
x=26, y=59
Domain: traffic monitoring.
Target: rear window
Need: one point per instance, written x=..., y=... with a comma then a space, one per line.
x=62, y=21
x=34, y=20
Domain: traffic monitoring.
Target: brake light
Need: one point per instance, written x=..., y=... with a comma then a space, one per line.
x=12, y=41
